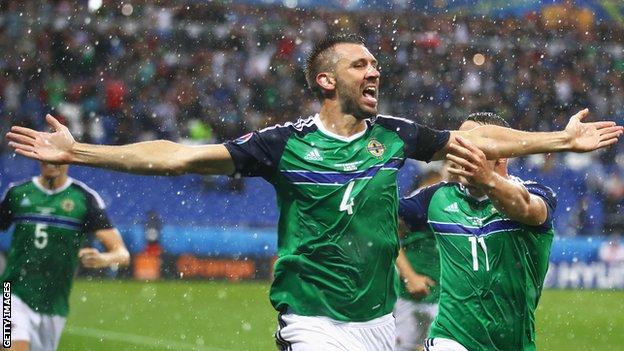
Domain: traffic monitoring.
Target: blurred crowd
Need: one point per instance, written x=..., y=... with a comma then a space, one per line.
x=210, y=72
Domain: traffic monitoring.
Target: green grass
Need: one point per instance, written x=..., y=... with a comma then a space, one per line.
x=175, y=315
x=581, y=320
x=222, y=316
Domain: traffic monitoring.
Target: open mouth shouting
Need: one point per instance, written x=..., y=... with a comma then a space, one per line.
x=369, y=95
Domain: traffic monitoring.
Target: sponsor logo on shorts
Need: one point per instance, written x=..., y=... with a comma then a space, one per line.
x=6, y=314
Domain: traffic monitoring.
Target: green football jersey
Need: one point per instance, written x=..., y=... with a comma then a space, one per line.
x=50, y=227
x=338, y=203
x=421, y=250
x=492, y=268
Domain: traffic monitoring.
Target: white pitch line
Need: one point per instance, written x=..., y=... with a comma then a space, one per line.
x=136, y=339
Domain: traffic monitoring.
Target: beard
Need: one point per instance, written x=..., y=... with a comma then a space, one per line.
x=350, y=102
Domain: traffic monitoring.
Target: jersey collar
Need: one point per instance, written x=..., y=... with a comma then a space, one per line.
x=466, y=192
x=40, y=186
x=322, y=129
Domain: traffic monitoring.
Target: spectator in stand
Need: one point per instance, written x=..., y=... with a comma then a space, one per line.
x=238, y=67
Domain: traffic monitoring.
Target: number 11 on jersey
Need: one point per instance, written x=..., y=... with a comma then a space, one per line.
x=475, y=258
x=347, y=201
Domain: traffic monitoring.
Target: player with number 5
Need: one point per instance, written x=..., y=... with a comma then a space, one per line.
x=53, y=214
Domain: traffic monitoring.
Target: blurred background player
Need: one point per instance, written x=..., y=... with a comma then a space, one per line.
x=419, y=267
x=494, y=233
x=53, y=214
x=335, y=179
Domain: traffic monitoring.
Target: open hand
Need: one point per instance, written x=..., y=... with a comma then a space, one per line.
x=54, y=147
x=585, y=137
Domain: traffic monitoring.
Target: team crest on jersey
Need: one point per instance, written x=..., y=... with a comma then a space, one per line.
x=67, y=205
x=375, y=148
x=245, y=138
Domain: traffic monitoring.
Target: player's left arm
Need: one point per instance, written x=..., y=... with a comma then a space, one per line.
x=497, y=142
x=116, y=253
x=97, y=222
x=508, y=196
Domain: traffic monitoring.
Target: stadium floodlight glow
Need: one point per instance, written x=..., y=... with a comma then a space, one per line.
x=290, y=3
x=478, y=59
x=94, y=5
x=127, y=10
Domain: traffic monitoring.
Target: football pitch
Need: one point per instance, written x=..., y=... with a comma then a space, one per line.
x=223, y=316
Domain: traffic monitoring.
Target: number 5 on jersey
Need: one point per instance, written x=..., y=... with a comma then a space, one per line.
x=41, y=236
x=347, y=201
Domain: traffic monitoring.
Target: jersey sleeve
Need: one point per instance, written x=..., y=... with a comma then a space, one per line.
x=549, y=198
x=421, y=142
x=257, y=154
x=6, y=214
x=413, y=210
x=96, y=218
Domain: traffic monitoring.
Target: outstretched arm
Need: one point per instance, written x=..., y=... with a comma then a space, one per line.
x=508, y=196
x=497, y=142
x=159, y=157
x=116, y=253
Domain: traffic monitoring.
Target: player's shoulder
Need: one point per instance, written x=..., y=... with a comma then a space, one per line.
x=87, y=191
x=539, y=189
x=391, y=122
x=279, y=133
x=17, y=186
x=430, y=190
x=20, y=184
x=301, y=126
x=532, y=184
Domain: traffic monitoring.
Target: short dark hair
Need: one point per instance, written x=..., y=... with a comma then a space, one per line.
x=317, y=62
x=487, y=118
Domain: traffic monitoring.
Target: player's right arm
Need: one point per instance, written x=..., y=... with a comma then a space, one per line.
x=158, y=157
x=412, y=217
x=416, y=284
x=531, y=204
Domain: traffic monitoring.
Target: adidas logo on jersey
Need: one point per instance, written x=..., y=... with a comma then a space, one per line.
x=452, y=208
x=25, y=202
x=313, y=155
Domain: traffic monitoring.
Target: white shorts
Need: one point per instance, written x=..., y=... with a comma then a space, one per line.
x=41, y=331
x=413, y=320
x=442, y=344
x=302, y=333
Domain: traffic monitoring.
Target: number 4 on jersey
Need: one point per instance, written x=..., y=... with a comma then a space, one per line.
x=347, y=201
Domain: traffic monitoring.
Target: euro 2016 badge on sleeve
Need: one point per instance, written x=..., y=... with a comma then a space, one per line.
x=375, y=148
x=243, y=139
